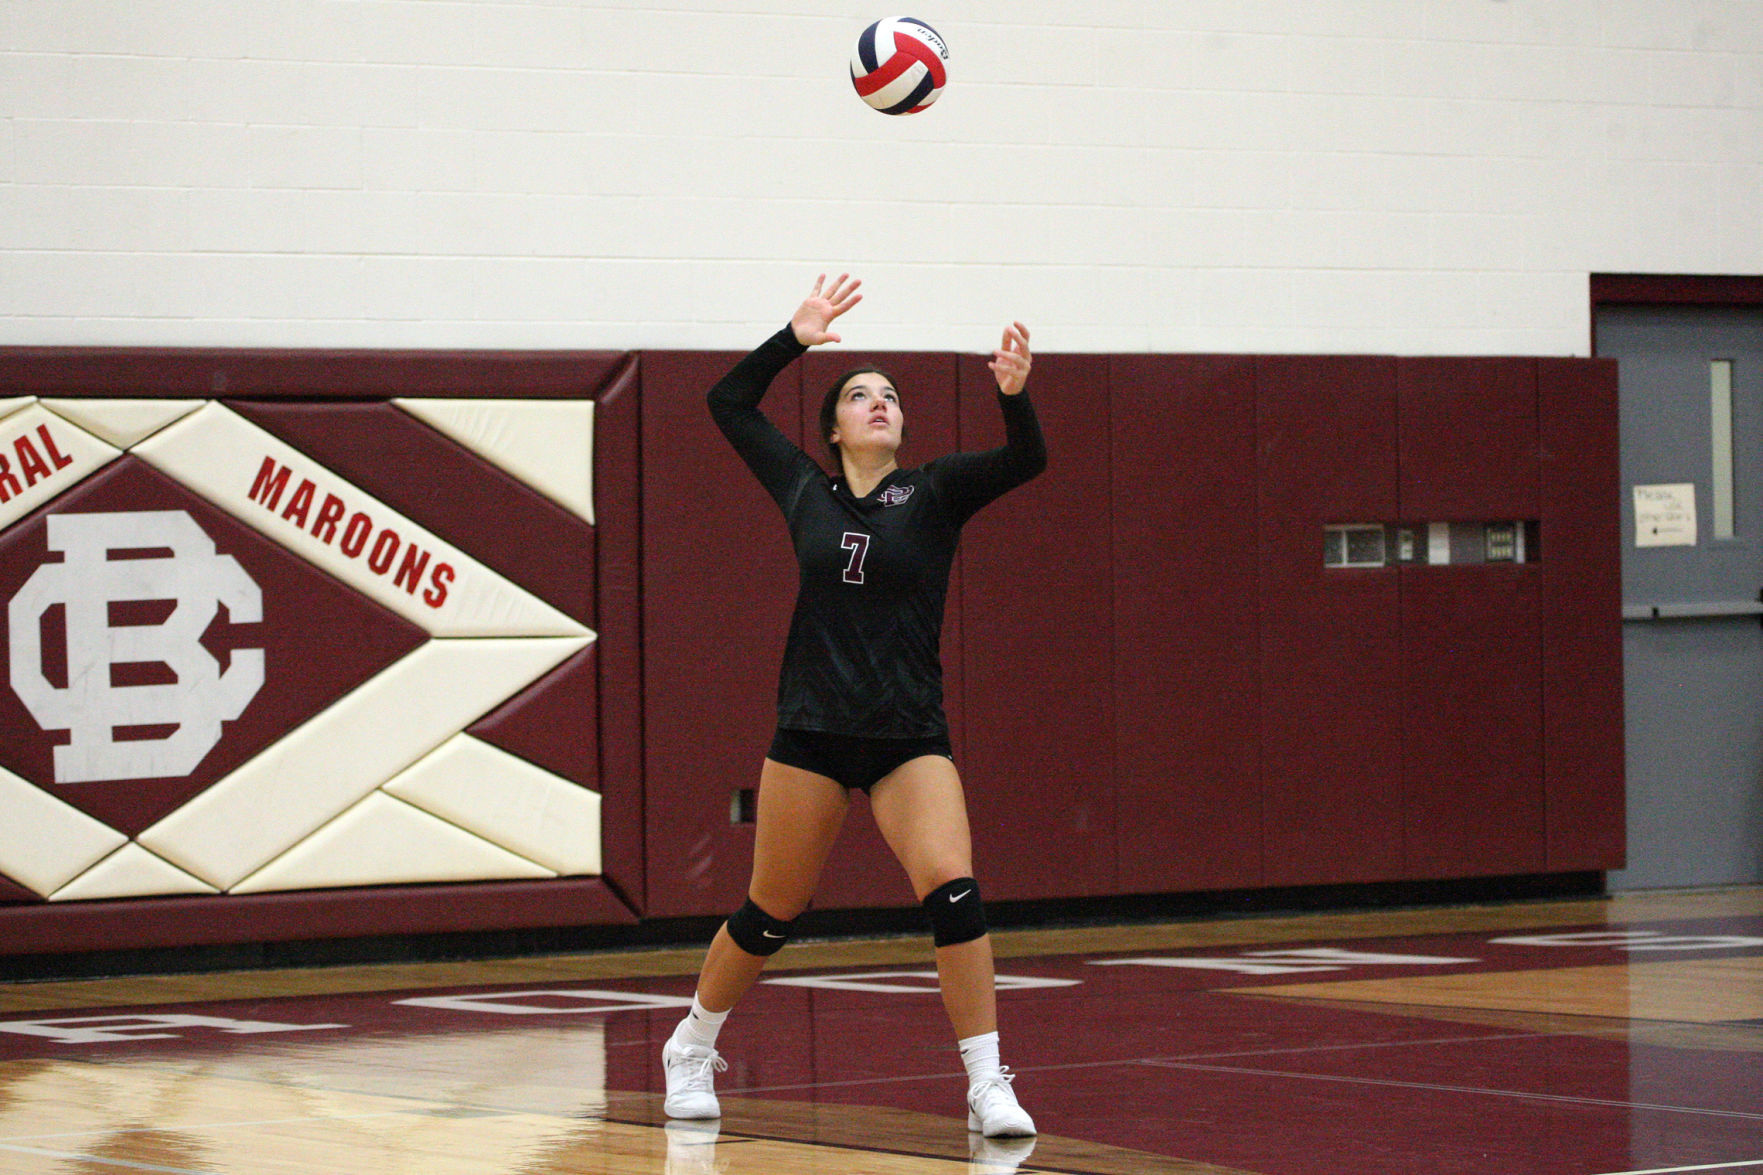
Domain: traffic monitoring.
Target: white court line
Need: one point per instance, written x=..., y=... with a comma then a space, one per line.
x=1309, y=1049
x=1178, y=1059
x=1701, y=1167
x=1518, y=1094
x=98, y=1159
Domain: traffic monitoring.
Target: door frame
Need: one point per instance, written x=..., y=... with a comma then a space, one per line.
x=1670, y=289
x=1619, y=289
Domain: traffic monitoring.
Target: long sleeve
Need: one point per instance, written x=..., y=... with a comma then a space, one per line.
x=968, y=481
x=734, y=405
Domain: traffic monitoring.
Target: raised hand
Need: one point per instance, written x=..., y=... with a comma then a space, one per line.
x=817, y=312
x=1011, y=361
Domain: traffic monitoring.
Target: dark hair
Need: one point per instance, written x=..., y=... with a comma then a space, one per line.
x=829, y=406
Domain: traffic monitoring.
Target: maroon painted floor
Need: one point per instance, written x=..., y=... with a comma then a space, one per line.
x=1630, y=1044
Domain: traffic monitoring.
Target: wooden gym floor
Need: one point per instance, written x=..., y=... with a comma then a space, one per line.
x=1540, y=1038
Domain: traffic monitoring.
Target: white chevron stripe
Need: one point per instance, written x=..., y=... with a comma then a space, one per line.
x=382, y=840
x=130, y=872
x=301, y=782
x=509, y=801
x=45, y=843
x=122, y=422
x=226, y=459
x=548, y=444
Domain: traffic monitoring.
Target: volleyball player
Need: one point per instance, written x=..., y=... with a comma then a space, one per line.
x=860, y=692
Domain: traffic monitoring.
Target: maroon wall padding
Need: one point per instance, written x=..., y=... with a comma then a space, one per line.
x=313, y=375
x=443, y=486
x=549, y=724
x=1186, y=682
x=618, y=647
x=719, y=579
x=1331, y=669
x=142, y=923
x=1037, y=634
x=1581, y=574
x=862, y=870
x=1468, y=436
x=1248, y=718
x=1471, y=732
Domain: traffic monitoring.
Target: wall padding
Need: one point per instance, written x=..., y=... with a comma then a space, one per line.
x=1185, y=601
x=43, y=455
x=1154, y=684
x=507, y=801
x=1468, y=437
x=719, y=579
x=439, y=484
x=1472, y=777
x=548, y=724
x=1471, y=635
x=131, y=872
x=317, y=640
x=1581, y=579
x=330, y=674
x=1331, y=717
x=11, y=893
x=618, y=545
x=1038, y=628
x=548, y=445
x=341, y=913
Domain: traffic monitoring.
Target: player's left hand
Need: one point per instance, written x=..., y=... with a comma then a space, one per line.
x=1011, y=361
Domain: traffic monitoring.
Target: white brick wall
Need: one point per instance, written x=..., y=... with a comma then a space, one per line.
x=1431, y=176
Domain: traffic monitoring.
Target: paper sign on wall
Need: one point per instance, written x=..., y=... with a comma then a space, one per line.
x=1665, y=515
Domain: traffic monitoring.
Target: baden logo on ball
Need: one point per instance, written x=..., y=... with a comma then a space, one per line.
x=900, y=65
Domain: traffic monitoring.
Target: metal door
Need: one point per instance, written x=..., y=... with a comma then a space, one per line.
x=1692, y=569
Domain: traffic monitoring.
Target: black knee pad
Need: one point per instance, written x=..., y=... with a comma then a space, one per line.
x=956, y=913
x=757, y=932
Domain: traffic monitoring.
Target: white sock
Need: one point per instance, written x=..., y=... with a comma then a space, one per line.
x=700, y=1026
x=980, y=1055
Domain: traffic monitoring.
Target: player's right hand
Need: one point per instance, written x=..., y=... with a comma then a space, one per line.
x=816, y=313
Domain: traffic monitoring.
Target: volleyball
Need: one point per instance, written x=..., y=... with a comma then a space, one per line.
x=900, y=65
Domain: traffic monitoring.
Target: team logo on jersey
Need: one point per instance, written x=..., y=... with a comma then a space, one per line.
x=110, y=561
x=894, y=495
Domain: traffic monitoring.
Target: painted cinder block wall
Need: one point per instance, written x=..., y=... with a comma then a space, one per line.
x=1383, y=176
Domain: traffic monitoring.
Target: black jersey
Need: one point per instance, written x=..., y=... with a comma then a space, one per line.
x=863, y=651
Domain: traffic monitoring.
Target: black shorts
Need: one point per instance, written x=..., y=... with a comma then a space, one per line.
x=851, y=760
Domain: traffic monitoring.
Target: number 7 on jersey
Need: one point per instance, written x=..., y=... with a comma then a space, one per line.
x=858, y=545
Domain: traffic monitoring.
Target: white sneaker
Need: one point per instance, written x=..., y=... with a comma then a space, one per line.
x=691, y=1080
x=992, y=1109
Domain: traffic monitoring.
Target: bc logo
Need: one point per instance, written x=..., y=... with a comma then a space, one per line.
x=86, y=583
